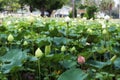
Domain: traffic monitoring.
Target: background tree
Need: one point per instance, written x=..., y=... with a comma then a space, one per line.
x=1, y=5
x=44, y=5
x=10, y=5
x=90, y=2
x=90, y=12
x=106, y=6
x=71, y=13
x=90, y=6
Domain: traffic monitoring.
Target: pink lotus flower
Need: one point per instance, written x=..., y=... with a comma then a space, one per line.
x=81, y=59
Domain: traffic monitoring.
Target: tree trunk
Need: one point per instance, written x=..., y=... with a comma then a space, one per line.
x=31, y=9
x=50, y=12
x=42, y=12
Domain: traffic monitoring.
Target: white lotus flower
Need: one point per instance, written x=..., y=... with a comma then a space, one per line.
x=107, y=17
x=8, y=23
x=84, y=18
x=67, y=19
x=103, y=26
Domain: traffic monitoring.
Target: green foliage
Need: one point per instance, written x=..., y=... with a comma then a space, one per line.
x=90, y=12
x=73, y=74
x=81, y=6
x=71, y=13
x=43, y=5
x=107, y=4
x=116, y=63
x=1, y=6
x=99, y=64
x=12, y=60
x=10, y=5
x=87, y=36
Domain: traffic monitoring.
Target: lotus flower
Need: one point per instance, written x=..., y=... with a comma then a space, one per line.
x=81, y=59
x=107, y=17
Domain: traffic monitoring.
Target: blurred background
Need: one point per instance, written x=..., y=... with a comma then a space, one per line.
x=62, y=8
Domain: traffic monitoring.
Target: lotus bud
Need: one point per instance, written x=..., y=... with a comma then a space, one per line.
x=113, y=58
x=19, y=29
x=63, y=48
x=89, y=30
x=38, y=53
x=25, y=43
x=81, y=59
x=31, y=19
x=10, y=38
x=103, y=26
x=104, y=31
x=72, y=49
x=47, y=49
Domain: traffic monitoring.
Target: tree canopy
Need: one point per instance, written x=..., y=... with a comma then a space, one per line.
x=44, y=5
x=107, y=4
x=11, y=5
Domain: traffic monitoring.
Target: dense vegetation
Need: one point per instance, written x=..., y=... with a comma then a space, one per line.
x=34, y=48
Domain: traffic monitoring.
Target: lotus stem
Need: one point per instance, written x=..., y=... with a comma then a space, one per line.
x=39, y=69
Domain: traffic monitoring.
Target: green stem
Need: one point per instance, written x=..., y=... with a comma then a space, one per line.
x=10, y=45
x=67, y=32
x=39, y=69
x=16, y=74
x=32, y=47
x=94, y=56
x=19, y=76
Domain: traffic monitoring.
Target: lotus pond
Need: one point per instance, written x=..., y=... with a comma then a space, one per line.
x=35, y=48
